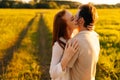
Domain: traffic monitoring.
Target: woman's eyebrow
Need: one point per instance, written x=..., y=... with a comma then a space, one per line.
x=75, y=15
x=72, y=17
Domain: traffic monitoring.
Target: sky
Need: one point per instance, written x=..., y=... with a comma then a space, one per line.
x=99, y=1
x=93, y=1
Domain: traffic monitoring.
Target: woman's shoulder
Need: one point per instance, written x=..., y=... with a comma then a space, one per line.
x=57, y=49
x=56, y=46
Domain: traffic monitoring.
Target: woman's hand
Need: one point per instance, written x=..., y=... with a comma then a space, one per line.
x=70, y=50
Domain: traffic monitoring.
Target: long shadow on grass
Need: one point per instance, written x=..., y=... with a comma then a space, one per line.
x=9, y=51
x=43, y=44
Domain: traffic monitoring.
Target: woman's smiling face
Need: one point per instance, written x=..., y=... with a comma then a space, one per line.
x=70, y=20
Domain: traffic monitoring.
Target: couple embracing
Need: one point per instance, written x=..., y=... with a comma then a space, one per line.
x=74, y=56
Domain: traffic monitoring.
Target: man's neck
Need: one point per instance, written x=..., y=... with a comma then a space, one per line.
x=83, y=28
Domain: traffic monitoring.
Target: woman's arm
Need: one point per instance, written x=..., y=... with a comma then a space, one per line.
x=70, y=50
x=55, y=66
x=60, y=60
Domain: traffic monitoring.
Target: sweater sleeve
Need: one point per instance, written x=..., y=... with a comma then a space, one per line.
x=55, y=66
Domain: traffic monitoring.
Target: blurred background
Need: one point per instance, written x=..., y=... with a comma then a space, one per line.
x=26, y=36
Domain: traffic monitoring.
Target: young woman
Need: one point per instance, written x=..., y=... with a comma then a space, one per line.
x=63, y=27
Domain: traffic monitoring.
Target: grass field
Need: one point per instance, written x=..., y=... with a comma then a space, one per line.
x=25, y=44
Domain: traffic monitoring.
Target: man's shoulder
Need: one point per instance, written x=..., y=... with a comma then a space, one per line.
x=79, y=40
x=79, y=36
x=96, y=34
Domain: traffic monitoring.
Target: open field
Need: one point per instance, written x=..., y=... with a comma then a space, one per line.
x=25, y=43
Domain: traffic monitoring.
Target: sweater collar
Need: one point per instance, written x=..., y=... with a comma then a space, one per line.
x=88, y=32
x=63, y=39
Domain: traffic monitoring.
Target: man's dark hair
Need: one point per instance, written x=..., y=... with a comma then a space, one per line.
x=89, y=14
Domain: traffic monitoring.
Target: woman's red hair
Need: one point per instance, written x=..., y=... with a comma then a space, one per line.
x=59, y=28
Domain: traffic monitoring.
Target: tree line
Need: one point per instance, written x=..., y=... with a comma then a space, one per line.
x=49, y=4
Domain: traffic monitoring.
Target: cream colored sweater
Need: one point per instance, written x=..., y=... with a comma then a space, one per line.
x=83, y=64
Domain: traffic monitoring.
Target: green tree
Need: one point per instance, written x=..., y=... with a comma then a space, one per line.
x=64, y=6
x=53, y=5
x=4, y=4
x=36, y=1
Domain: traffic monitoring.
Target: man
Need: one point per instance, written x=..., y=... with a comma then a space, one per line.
x=83, y=63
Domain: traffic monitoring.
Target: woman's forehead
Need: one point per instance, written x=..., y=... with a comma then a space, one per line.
x=77, y=14
x=68, y=14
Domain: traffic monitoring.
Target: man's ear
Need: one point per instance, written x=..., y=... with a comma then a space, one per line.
x=81, y=21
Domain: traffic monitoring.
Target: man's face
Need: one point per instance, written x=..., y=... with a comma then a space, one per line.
x=77, y=18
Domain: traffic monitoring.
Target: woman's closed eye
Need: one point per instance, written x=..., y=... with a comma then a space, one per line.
x=72, y=18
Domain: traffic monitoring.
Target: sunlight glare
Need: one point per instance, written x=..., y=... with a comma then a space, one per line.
x=26, y=1
x=98, y=1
